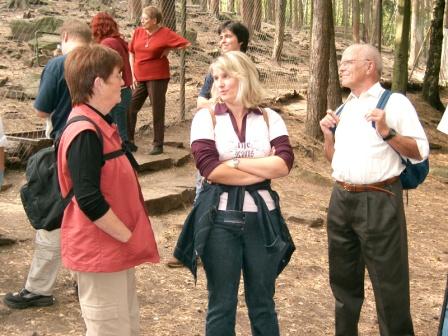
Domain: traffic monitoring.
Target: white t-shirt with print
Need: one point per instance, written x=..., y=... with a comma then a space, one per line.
x=256, y=144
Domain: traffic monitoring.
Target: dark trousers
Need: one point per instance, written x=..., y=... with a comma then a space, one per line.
x=120, y=111
x=237, y=244
x=368, y=229
x=156, y=90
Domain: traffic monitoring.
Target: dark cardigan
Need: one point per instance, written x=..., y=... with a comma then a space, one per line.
x=197, y=226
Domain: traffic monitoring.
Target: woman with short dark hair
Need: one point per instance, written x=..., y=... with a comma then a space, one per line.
x=105, y=230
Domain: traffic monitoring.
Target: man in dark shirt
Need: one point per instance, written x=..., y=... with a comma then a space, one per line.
x=53, y=103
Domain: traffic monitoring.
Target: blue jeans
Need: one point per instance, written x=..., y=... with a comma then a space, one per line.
x=120, y=111
x=236, y=244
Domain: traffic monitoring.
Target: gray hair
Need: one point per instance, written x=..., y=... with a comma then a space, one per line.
x=370, y=53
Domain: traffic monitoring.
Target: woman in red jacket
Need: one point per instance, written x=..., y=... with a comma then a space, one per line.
x=105, y=31
x=149, y=48
x=105, y=230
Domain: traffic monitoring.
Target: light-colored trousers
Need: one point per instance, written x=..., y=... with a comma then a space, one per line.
x=46, y=262
x=109, y=303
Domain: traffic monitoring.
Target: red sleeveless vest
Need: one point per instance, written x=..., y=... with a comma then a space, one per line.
x=84, y=246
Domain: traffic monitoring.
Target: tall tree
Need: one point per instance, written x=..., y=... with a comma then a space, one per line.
x=257, y=15
x=416, y=30
x=279, y=29
x=168, y=9
x=135, y=10
x=269, y=11
x=231, y=6
x=430, y=89
x=22, y=4
x=400, y=70
x=355, y=20
x=214, y=7
x=367, y=8
x=376, y=37
x=319, y=59
x=334, y=94
x=247, y=13
x=204, y=5
x=345, y=17
x=444, y=63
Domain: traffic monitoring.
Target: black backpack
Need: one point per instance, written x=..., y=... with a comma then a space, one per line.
x=41, y=195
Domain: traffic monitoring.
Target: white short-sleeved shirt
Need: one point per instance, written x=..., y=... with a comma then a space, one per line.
x=361, y=156
x=443, y=124
x=255, y=144
x=3, y=141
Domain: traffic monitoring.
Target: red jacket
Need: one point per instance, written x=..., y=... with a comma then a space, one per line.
x=148, y=65
x=84, y=246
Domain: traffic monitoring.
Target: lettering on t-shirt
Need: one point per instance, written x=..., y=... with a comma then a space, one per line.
x=244, y=150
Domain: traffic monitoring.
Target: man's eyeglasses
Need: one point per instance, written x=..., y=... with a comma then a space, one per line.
x=351, y=62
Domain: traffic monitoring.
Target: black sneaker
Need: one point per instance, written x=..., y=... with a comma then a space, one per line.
x=26, y=299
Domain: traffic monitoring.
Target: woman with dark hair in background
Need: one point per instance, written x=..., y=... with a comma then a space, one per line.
x=149, y=48
x=106, y=32
x=105, y=230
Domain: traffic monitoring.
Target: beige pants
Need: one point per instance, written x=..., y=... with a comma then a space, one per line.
x=109, y=303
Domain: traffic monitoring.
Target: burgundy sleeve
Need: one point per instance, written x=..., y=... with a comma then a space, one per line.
x=283, y=149
x=205, y=155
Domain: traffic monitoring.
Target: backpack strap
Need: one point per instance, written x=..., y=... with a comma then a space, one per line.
x=382, y=102
x=107, y=156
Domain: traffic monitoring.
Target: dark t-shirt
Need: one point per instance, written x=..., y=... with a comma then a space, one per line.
x=54, y=97
x=207, y=87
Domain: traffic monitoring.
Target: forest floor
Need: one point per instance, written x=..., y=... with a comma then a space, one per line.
x=170, y=302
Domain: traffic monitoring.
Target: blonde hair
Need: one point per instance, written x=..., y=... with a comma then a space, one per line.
x=153, y=12
x=238, y=65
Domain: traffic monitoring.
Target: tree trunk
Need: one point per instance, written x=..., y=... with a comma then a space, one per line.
x=319, y=60
x=214, y=8
x=231, y=6
x=135, y=10
x=247, y=13
x=279, y=30
x=295, y=15
x=355, y=20
x=204, y=5
x=416, y=30
x=22, y=4
x=345, y=17
x=300, y=14
x=378, y=25
x=430, y=89
x=334, y=94
x=269, y=11
x=367, y=14
x=444, y=63
x=168, y=9
x=400, y=70
x=257, y=16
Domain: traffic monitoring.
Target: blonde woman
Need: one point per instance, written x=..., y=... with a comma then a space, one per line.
x=236, y=226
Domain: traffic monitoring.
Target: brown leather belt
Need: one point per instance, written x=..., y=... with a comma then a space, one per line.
x=378, y=186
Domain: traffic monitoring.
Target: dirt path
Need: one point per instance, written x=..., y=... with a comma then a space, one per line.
x=172, y=305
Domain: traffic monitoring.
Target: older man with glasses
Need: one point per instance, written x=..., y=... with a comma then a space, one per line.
x=366, y=219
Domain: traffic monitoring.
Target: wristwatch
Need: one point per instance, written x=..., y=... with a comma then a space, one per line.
x=390, y=135
x=235, y=162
